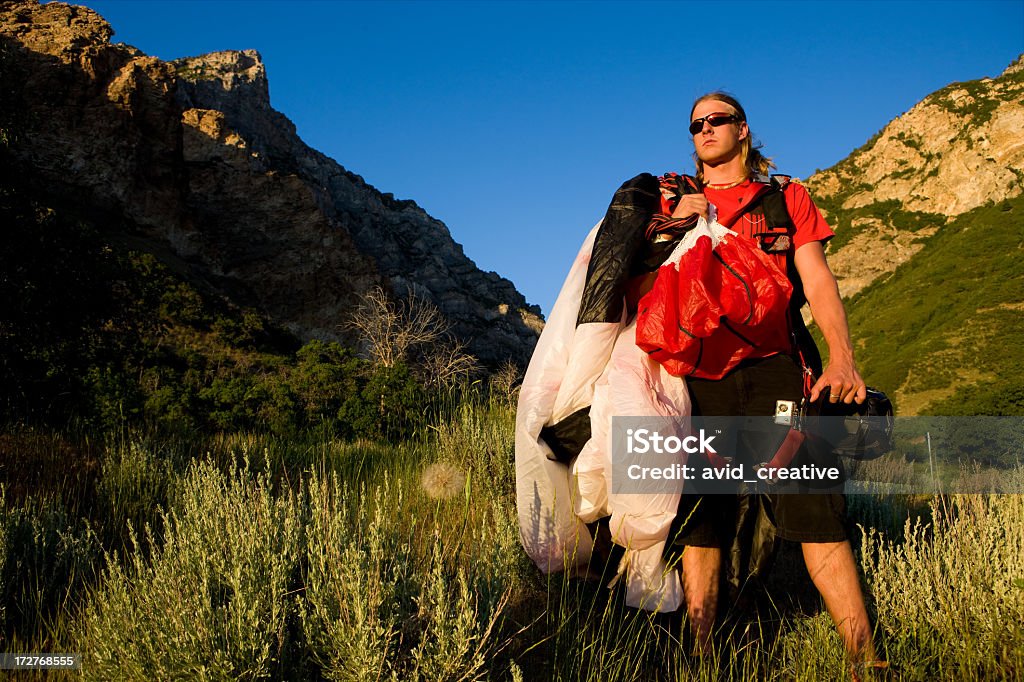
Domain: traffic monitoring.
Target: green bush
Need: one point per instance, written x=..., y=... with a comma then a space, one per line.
x=324, y=377
x=46, y=560
x=116, y=398
x=950, y=597
x=246, y=332
x=183, y=304
x=390, y=406
x=211, y=601
x=172, y=401
x=376, y=607
x=359, y=570
x=244, y=583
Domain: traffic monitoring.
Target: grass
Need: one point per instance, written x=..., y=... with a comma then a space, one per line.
x=249, y=556
x=940, y=323
x=952, y=592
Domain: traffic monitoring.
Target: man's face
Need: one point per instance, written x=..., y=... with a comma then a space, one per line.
x=719, y=144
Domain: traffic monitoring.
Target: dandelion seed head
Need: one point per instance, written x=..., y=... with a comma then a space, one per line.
x=442, y=480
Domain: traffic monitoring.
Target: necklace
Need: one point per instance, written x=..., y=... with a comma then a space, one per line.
x=725, y=185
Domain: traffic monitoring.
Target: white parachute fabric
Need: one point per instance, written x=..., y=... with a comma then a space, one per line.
x=596, y=364
x=633, y=385
x=554, y=537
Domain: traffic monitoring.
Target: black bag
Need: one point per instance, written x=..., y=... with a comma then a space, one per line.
x=861, y=432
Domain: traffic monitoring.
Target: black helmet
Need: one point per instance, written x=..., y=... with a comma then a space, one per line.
x=861, y=431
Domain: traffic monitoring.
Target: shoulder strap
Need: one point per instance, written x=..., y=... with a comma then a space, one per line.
x=774, y=203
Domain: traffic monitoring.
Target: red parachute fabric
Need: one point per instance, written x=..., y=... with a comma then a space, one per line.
x=717, y=300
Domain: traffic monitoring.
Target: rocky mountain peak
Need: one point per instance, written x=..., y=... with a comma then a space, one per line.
x=193, y=160
x=55, y=28
x=238, y=73
x=959, y=148
x=1015, y=67
x=234, y=84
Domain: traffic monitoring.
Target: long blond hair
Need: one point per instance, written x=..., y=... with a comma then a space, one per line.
x=753, y=160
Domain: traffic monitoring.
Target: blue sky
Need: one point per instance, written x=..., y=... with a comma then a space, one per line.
x=514, y=122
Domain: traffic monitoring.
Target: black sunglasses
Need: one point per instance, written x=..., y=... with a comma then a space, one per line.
x=716, y=119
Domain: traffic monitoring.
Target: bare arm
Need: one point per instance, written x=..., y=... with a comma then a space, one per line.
x=822, y=293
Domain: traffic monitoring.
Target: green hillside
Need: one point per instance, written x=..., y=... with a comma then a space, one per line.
x=939, y=332
x=943, y=331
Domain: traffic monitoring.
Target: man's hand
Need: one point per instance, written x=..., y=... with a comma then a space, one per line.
x=690, y=204
x=841, y=376
x=843, y=381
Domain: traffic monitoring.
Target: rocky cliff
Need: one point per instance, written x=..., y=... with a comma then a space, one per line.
x=959, y=148
x=189, y=160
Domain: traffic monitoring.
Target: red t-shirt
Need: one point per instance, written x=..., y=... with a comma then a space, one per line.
x=809, y=225
x=808, y=222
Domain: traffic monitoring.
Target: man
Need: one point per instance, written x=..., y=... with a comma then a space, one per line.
x=728, y=170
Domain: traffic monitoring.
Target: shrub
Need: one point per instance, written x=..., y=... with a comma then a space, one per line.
x=390, y=406
x=246, y=332
x=950, y=597
x=134, y=485
x=375, y=609
x=182, y=304
x=324, y=376
x=358, y=566
x=116, y=398
x=452, y=636
x=480, y=438
x=503, y=386
x=46, y=559
x=212, y=600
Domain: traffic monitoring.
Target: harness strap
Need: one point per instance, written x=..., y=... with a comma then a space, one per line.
x=785, y=454
x=806, y=368
x=782, y=458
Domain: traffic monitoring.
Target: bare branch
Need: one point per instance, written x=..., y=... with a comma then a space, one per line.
x=447, y=363
x=376, y=320
x=505, y=383
x=392, y=331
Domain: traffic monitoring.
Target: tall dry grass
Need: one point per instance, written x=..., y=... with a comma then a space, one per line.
x=949, y=595
x=252, y=556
